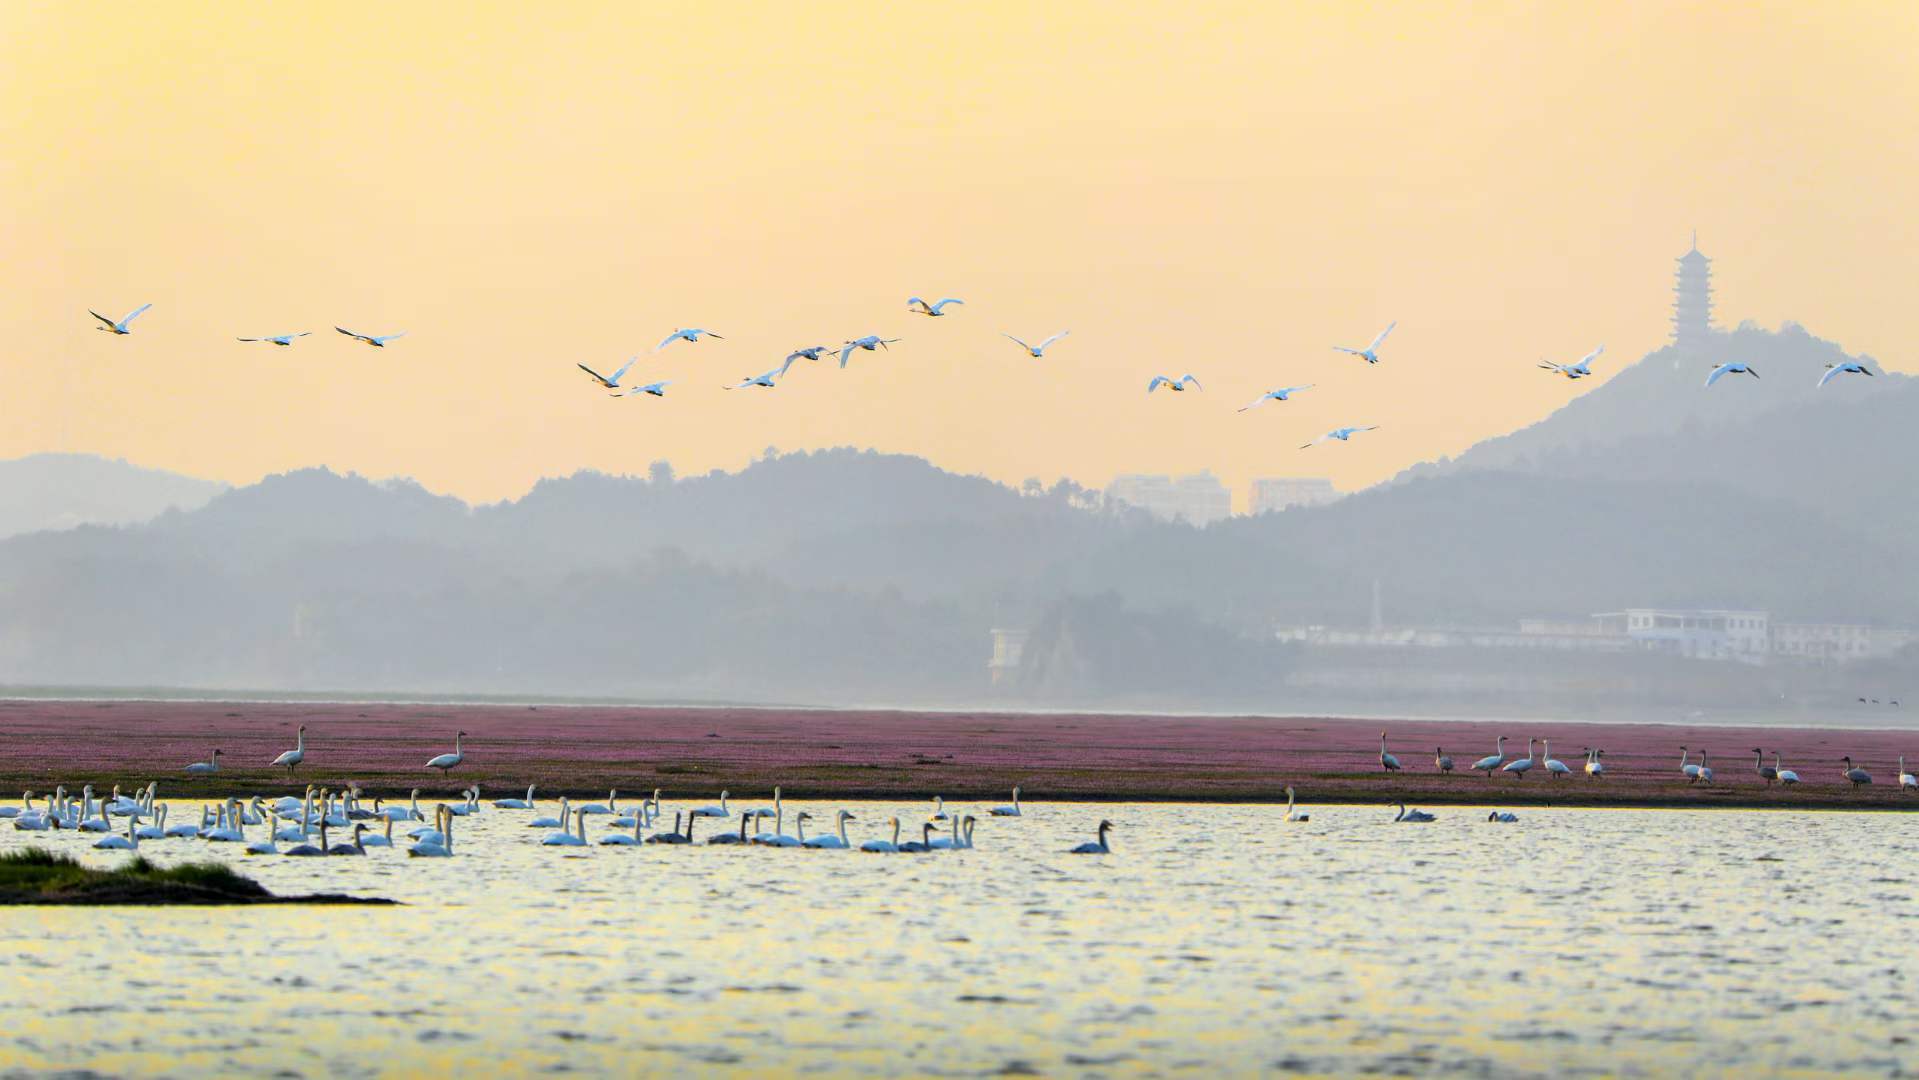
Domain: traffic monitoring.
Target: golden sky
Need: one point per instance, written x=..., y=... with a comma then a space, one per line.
x=1225, y=190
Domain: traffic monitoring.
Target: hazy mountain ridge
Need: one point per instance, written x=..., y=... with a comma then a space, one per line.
x=43, y=492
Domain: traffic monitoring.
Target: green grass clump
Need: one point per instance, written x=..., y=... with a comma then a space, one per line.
x=34, y=875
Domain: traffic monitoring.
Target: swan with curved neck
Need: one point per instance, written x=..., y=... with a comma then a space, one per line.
x=1498, y=757
x=885, y=847
x=1096, y=847
x=1291, y=813
x=448, y=761
x=1519, y=766
x=296, y=755
x=1012, y=810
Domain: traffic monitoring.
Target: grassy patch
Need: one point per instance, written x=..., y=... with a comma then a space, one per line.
x=37, y=876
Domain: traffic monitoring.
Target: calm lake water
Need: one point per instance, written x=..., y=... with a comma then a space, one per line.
x=1214, y=939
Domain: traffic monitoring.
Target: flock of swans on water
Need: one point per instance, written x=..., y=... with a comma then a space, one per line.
x=303, y=821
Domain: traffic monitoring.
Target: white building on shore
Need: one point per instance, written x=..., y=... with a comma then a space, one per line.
x=1198, y=499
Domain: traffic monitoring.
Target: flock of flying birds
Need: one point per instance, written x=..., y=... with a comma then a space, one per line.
x=769, y=378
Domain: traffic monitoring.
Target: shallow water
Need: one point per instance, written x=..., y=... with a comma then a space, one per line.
x=1213, y=939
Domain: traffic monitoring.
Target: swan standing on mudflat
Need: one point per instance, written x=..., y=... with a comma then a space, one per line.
x=1857, y=775
x=448, y=761
x=1518, y=766
x=1554, y=767
x=1497, y=758
x=205, y=768
x=1386, y=761
x=1595, y=768
x=1766, y=772
x=296, y=755
x=1095, y=847
x=1291, y=813
x=1440, y=761
x=1786, y=776
x=1008, y=811
x=1687, y=767
x=1705, y=771
x=1907, y=781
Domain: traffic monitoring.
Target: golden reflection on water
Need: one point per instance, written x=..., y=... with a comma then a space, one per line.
x=1214, y=939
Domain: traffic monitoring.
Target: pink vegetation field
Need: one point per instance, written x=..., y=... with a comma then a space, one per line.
x=692, y=752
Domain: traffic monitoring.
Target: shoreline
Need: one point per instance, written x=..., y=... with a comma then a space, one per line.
x=697, y=751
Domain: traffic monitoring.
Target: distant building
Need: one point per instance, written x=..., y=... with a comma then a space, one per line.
x=1700, y=634
x=1198, y=499
x=1836, y=643
x=1692, y=299
x=1008, y=647
x=1272, y=493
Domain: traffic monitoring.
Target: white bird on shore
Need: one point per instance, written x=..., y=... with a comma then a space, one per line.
x=1291, y=813
x=377, y=341
x=296, y=755
x=1370, y=353
x=1705, y=771
x=1342, y=434
x=1386, y=761
x=1575, y=371
x=611, y=382
x=1284, y=393
x=1595, y=768
x=1035, y=351
x=921, y=307
x=764, y=378
x=685, y=335
x=205, y=768
x=1731, y=367
x=281, y=340
x=1497, y=758
x=1907, y=781
x=121, y=326
x=1687, y=767
x=1518, y=766
x=870, y=342
x=1786, y=776
x=448, y=761
x=1554, y=767
x=1175, y=385
x=1857, y=775
x=1850, y=367
x=653, y=389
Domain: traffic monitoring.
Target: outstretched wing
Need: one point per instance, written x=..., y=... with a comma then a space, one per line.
x=1258, y=401
x=1016, y=341
x=1050, y=340
x=384, y=338
x=915, y=301
x=252, y=339
x=1830, y=372
x=603, y=380
x=846, y=351
x=351, y=334
x=948, y=300
x=136, y=314
x=1189, y=379
x=623, y=367
x=1155, y=384
x=1591, y=356
x=1382, y=335
x=111, y=325
x=1344, y=349
x=668, y=340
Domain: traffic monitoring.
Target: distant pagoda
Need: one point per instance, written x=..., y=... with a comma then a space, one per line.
x=1692, y=299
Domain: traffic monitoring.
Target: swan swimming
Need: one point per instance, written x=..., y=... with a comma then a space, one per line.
x=1008, y=811
x=121, y=326
x=1411, y=815
x=1095, y=847
x=719, y=811
x=1502, y=816
x=885, y=847
x=1292, y=814
x=441, y=848
x=924, y=843
x=516, y=804
x=562, y=838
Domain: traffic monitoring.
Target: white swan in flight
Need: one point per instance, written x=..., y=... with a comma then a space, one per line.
x=1575, y=371
x=811, y=352
x=1035, y=351
x=1495, y=760
x=692, y=334
x=1175, y=385
x=1284, y=393
x=652, y=389
x=764, y=378
x=205, y=768
x=1095, y=847
x=1850, y=367
x=870, y=342
x=1342, y=434
x=377, y=341
x=296, y=755
x=281, y=340
x=448, y=761
x=1010, y=810
x=921, y=307
x=122, y=326
x=1731, y=367
x=610, y=382
x=1370, y=353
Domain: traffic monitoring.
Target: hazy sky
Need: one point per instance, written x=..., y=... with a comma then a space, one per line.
x=1222, y=190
